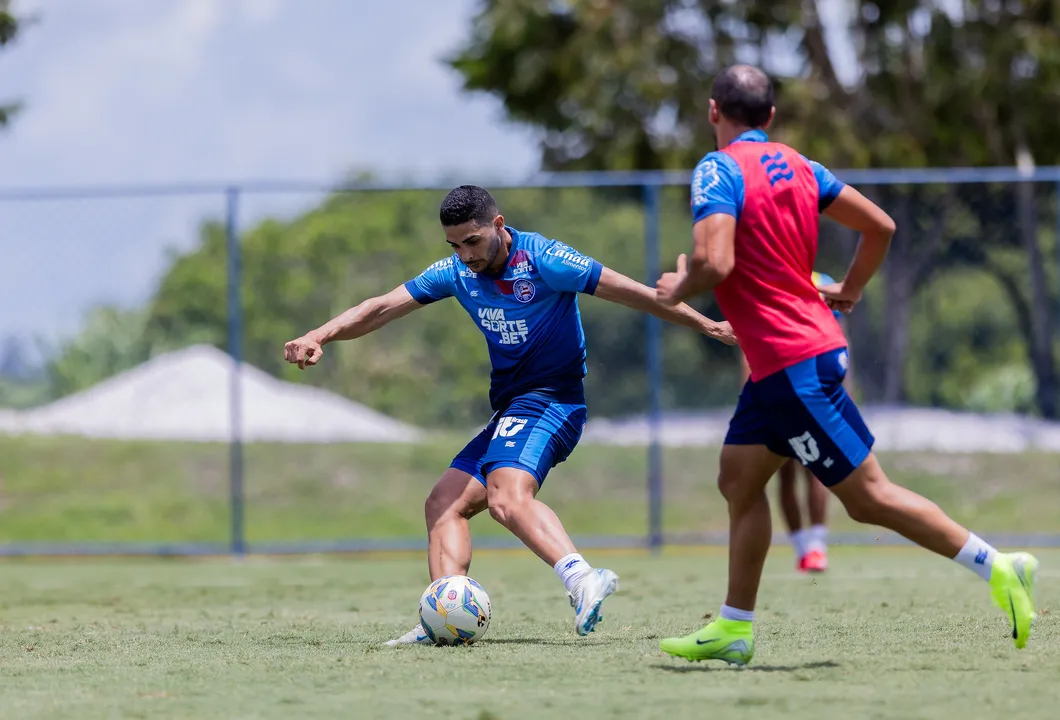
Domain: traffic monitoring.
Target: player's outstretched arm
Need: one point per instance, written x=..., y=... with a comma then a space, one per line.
x=366, y=317
x=857, y=212
x=618, y=288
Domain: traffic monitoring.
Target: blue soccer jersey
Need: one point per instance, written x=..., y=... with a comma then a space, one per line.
x=528, y=314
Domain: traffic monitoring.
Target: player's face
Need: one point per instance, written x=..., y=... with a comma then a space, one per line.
x=478, y=246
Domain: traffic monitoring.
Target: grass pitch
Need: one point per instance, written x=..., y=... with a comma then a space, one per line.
x=887, y=633
x=79, y=490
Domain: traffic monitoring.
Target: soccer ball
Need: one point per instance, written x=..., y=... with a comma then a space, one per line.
x=455, y=610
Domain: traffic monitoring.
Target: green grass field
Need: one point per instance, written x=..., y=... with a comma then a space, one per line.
x=69, y=490
x=887, y=633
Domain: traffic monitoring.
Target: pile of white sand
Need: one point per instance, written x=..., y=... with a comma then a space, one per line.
x=184, y=395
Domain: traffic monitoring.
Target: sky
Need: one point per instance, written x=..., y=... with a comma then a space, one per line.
x=175, y=91
x=128, y=92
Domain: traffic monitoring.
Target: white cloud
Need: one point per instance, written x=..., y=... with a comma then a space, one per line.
x=23, y=8
x=258, y=12
x=86, y=110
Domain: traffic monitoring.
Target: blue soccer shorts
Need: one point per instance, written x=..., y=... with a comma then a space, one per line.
x=534, y=433
x=804, y=412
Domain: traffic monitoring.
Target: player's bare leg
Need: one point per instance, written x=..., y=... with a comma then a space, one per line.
x=815, y=558
x=816, y=499
x=513, y=503
x=454, y=500
x=789, y=498
x=789, y=507
x=745, y=472
x=512, y=500
x=870, y=497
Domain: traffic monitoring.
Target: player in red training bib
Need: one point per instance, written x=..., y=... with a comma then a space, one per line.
x=810, y=542
x=756, y=205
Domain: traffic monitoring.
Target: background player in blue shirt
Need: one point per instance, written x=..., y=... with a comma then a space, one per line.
x=521, y=289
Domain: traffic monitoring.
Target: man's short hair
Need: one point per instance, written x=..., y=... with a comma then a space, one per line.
x=466, y=203
x=744, y=94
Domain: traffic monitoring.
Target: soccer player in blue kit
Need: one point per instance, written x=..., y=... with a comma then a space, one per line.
x=521, y=289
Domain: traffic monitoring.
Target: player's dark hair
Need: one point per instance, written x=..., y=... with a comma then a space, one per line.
x=466, y=203
x=744, y=94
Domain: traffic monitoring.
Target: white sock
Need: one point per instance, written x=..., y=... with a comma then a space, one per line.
x=731, y=613
x=818, y=538
x=977, y=556
x=799, y=539
x=571, y=569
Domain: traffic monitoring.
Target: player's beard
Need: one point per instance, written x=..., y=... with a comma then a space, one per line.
x=494, y=251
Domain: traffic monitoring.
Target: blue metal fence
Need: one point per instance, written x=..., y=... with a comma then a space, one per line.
x=235, y=350
x=651, y=184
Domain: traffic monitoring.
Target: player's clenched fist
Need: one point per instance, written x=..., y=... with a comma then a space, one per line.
x=304, y=351
x=668, y=289
x=839, y=297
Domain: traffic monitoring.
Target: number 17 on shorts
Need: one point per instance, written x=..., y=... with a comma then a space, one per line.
x=806, y=448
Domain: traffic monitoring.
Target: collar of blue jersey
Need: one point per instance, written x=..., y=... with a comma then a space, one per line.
x=752, y=136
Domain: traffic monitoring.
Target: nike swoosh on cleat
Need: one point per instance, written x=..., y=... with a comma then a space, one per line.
x=704, y=642
x=1015, y=627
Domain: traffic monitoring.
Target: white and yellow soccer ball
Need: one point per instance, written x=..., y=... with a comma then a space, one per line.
x=455, y=610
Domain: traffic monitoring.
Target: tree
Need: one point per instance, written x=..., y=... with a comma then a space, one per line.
x=9, y=27
x=622, y=85
x=112, y=340
x=432, y=367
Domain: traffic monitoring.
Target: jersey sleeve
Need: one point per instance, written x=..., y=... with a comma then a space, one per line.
x=717, y=187
x=564, y=269
x=828, y=185
x=435, y=283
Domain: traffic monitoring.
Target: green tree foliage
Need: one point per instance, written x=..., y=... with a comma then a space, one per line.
x=622, y=85
x=432, y=366
x=956, y=320
x=9, y=28
x=112, y=340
